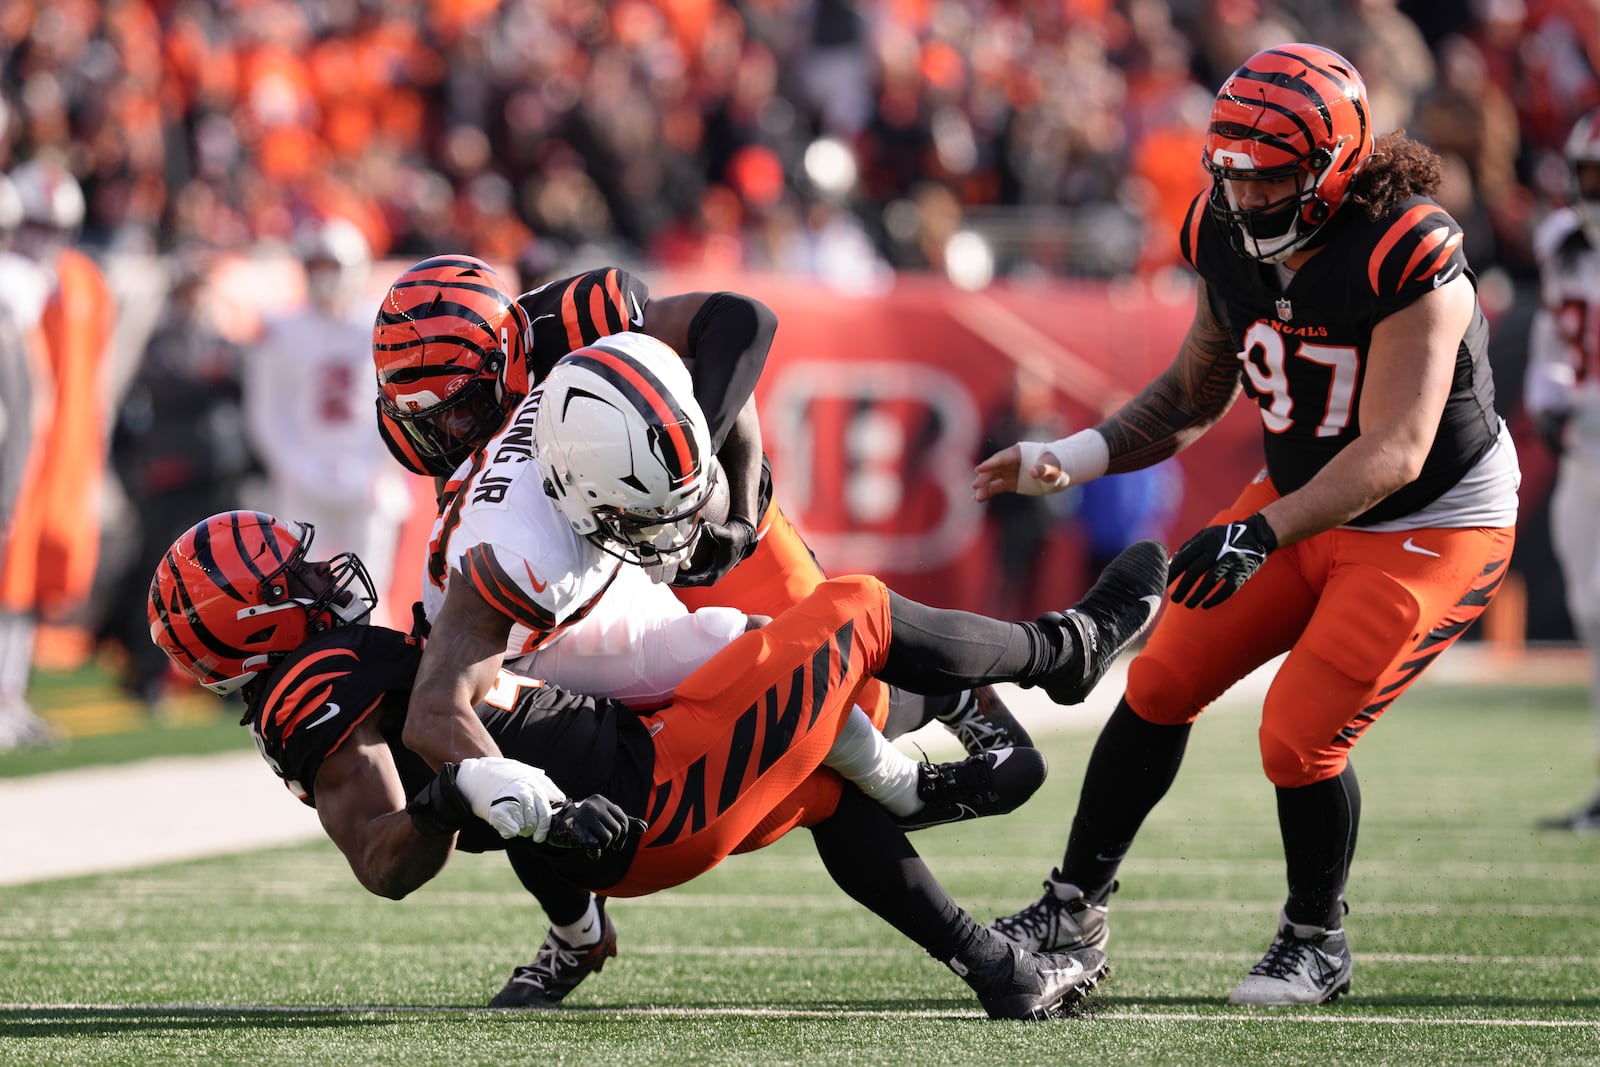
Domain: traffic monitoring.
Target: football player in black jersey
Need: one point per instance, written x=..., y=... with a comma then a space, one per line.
x=456, y=352
x=1334, y=293
x=237, y=604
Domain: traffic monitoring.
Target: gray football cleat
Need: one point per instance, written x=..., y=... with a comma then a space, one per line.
x=1304, y=965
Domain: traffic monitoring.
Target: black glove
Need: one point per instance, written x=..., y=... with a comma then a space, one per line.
x=1218, y=559
x=593, y=824
x=718, y=549
x=1550, y=425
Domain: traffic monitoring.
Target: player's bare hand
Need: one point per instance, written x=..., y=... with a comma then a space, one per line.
x=1009, y=471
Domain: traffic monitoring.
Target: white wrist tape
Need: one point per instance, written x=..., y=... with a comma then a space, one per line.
x=1082, y=457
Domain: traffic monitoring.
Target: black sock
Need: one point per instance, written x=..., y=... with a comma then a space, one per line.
x=910, y=711
x=940, y=650
x=1318, y=823
x=1131, y=769
x=564, y=902
x=869, y=857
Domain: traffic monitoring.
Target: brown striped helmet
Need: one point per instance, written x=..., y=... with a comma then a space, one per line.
x=449, y=345
x=235, y=594
x=1295, y=111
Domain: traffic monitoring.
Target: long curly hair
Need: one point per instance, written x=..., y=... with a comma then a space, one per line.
x=1400, y=167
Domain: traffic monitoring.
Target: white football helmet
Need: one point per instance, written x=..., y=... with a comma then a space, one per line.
x=52, y=208
x=337, y=261
x=624, y=448
x=1583, y=151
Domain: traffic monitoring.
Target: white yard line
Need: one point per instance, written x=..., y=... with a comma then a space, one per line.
x=1233, y=1017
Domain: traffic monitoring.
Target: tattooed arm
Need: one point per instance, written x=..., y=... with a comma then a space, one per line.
x=1185, y=401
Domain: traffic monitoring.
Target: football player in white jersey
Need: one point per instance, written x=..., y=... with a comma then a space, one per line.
x=578, y=614
x=1563, y=396
x=638, y=640
x=308, y=396
x=598, y=480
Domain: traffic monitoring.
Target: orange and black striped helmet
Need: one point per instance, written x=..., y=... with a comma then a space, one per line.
x=235, y=594
x=450, y=346
x=1295, y=111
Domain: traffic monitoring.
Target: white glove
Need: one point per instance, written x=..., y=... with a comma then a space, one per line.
x=513, y=797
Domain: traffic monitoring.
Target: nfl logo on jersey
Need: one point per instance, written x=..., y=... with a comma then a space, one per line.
x=1285, y=312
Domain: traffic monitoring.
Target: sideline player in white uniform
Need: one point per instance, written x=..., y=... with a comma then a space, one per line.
x=1563, y=396
x=308, y=399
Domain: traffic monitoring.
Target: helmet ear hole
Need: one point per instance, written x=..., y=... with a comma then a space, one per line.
x=1317, y=213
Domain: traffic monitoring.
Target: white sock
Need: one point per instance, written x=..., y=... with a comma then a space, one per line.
x=878, y=769
x=584, y=931
x=16, y=656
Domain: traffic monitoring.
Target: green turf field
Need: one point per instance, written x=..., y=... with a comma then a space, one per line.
x=1477, y=940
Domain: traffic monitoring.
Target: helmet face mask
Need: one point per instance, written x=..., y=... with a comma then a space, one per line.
x=449, y=345
x=446, y=432
x=650, y=540
x=624, y=449
x=235, y=594
x=1294, y=112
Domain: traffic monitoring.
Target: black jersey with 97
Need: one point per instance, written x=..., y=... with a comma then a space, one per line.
x=1304, y=347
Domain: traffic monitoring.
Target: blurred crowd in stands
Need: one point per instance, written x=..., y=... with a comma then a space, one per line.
x=788, y=134
x=844, y=141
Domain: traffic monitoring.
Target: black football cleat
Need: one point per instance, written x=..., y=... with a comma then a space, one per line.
x=982, y=722
x=1119, y=607
x=990, y=783
x=558, y=968
x=1043, y=985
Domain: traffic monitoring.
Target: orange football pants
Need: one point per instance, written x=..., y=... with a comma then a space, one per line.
x=752, y=724
x=777, y=575
x=1360, y=615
